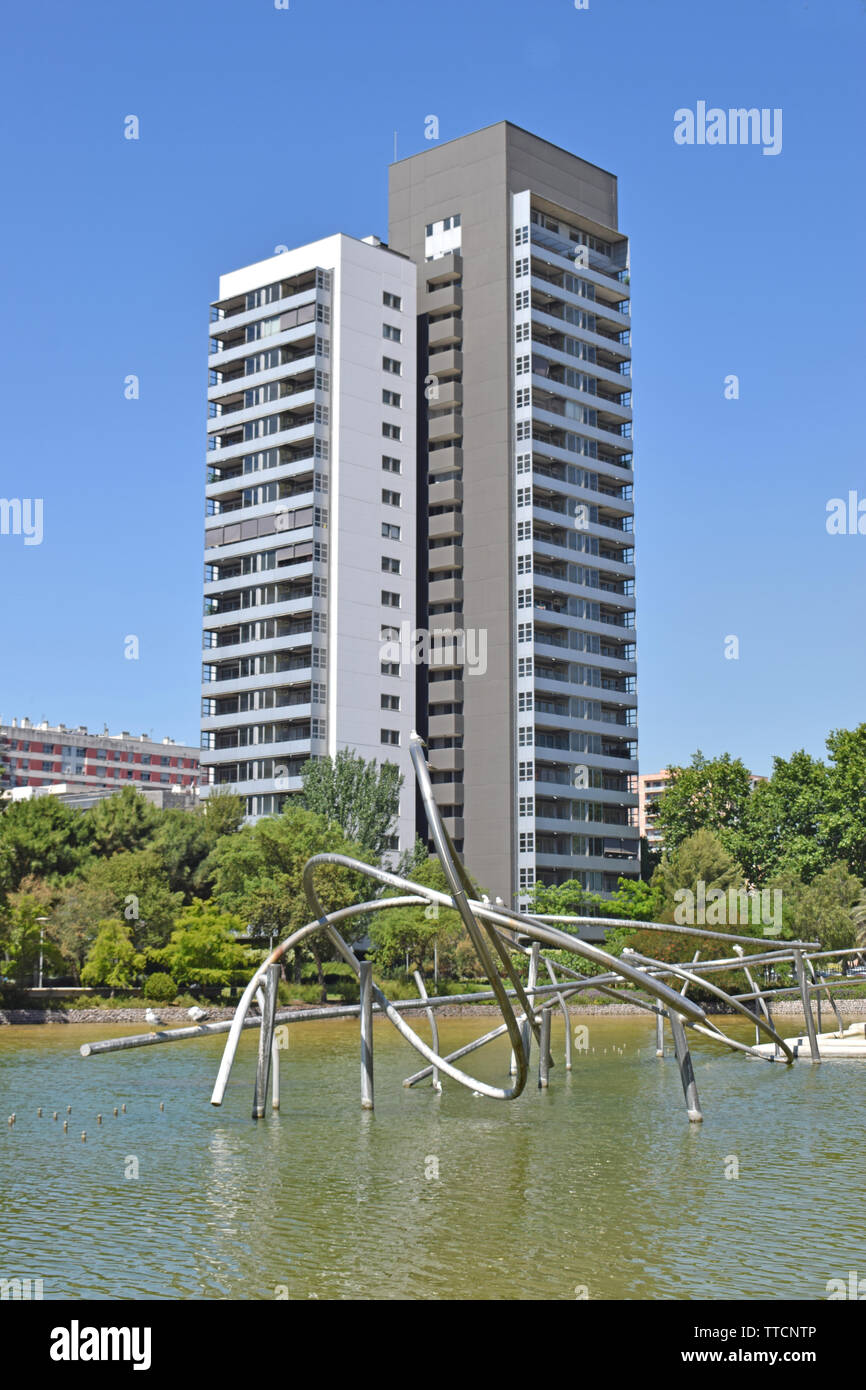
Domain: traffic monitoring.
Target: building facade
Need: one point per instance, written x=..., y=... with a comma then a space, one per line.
x=310, y=536
x=49, y=757
x=525, y=465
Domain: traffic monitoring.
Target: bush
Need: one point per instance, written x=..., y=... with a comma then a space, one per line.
x=160, y=987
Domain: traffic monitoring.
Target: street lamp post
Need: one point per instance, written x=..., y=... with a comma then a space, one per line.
x=41, y=921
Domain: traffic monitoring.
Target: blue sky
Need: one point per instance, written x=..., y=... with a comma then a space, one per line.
x=261, y=126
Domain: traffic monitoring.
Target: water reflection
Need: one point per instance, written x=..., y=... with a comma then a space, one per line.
x=598, y=1184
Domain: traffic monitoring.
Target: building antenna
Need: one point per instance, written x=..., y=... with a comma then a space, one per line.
x=395, y=147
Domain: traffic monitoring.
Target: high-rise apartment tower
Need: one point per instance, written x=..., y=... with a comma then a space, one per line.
x=525, y=453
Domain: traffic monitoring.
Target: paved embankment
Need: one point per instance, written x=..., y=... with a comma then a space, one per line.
x=853, y=1008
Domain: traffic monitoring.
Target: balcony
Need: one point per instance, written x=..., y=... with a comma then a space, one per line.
x=443, y=428
x=445, y=460
x=444, y=299
x=446, y=333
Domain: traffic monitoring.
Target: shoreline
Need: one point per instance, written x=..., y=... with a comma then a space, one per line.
x=856, y=1008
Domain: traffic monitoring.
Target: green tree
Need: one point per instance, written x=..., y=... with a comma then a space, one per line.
x=701, y=857
x=223, y=813
x=844, y=821
x=40, y=838
x=79, y=907
x=203, y=948
x=140, y=889
x=396, y=931
x=257, y=874
x=124, y=821
x=112, y=959
x=824, y=910
x=781, y=827
x=183, y=841
x=561, y=900
x=362, y=798
x=709, y=794
x=20, y=934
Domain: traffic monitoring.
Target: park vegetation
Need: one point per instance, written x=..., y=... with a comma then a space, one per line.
x=184, y=903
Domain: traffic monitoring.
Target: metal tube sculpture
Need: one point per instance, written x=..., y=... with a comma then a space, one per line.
x=498, y=935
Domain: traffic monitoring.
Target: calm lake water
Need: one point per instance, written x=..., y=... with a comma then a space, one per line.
x=599, y=1183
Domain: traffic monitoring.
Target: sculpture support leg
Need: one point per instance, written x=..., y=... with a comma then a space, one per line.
x=807, y=1005
x=544, y=1051
x=268, y=1001
x=687, y=1074
x=366, y=1035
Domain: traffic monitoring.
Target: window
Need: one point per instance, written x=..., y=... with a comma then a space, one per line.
x=524, y=564
x=392, y=301
x=521, y=236
x=524, y=497
x=524, y=632
x=394, y=335
x=392, y=398
x=524, y=772
x=392, y=431
x=390, y=702
x=521, y=333
x=521, y=300
x=524, y=598
x=524, y=666
x=524, y=700
x=391, y=465
x=524, y=530
x=389, y=634
x=391, y=499
x=523, y=397
x=524, y=429
x=526, y=806
x=527, y=842
x=389, y=668
x=521, y=366
x=317, y=728
x=390, y=364
x=521, y=267
x=389, y=532
x=391, y=736
x=524, y=463
x=390, y=565
x=390, y=599
x=525, y=880
x=525, y=737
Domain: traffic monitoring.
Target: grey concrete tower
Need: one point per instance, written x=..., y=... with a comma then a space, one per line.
x=525, y=459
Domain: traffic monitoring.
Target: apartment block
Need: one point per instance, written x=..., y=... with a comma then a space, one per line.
x=310, y=533
x=526, y=516
x=53, y=758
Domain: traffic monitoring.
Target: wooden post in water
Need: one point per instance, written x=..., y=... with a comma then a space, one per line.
x=366, y=1035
